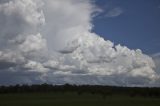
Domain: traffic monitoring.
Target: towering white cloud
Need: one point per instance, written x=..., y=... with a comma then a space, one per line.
x=52, y=41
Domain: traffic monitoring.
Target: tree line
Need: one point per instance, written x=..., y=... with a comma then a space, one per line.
x=81, y=89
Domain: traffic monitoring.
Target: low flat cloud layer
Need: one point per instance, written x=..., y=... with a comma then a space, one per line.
x=51, y=41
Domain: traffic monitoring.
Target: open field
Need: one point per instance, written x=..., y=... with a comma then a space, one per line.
x=74, y=99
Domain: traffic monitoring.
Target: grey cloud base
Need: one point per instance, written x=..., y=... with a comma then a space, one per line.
x=51, y=42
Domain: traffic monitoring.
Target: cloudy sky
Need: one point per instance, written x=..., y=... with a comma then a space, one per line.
x=107, y=42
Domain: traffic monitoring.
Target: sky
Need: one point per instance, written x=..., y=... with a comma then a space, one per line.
x=79, y=42
x=134, y=23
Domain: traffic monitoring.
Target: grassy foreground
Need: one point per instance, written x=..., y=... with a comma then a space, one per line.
x=74, y=99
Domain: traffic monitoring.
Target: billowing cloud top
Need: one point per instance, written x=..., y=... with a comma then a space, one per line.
x=52, y=42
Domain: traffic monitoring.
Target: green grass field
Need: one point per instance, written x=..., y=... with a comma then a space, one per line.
x=73, y=99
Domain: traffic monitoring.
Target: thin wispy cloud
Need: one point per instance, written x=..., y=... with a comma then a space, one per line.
x=156, y=54
x=115, y=12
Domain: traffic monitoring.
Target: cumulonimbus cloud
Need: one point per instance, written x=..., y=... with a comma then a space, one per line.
x=52, y=41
